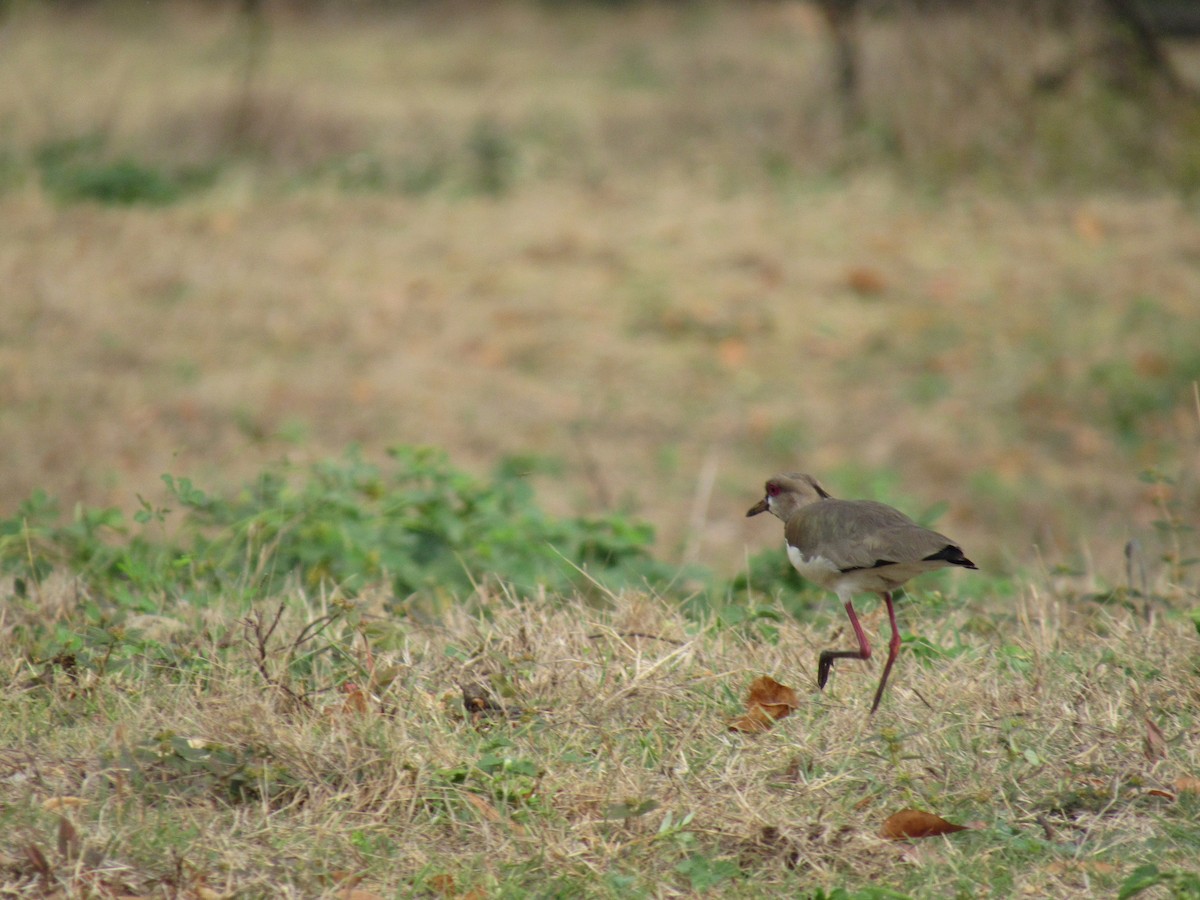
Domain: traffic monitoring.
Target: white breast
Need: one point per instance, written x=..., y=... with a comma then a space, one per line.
x=821, y=571
x=816, y=569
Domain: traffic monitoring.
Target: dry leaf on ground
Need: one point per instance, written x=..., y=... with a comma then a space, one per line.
x=732, y=352
x=489, y=812
x=1187, y=783
x=355, y=701
x=866, y=281
x=1156, y=742
x=56, y=804
x=767, y=702
x=1088, y=227
x=68, y=839
x=915, y=823
x=754, y=721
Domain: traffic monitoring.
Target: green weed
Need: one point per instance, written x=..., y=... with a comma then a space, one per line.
x=76, y=170
x=428, y=531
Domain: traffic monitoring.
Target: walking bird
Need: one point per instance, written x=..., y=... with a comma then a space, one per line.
x=852, y=547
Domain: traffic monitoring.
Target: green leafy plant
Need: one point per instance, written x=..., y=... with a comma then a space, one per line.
x=493, y=154
x=76, y=170
x=168, y=764
x=1180, y=884
x=704, y=874
x=429, y=531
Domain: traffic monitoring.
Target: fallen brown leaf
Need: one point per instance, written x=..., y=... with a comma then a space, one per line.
x=864, y=803
x=777, y=699
x=68, y=839
x=753, y=722
x=915, y=823
x=1187, y=783
x=1155, y=792
x=865, y=281
x=479, y=704
x=767, y=701
x=356, y=700
x=1155, y=741
x=490, y=812
x=56, y=804
x=37, y=859
x=732, y=352
x=1088, y=227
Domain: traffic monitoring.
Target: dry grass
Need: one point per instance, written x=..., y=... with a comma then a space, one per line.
x=1032, y=729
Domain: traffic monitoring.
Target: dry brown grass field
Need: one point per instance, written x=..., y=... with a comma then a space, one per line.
x=638, y=245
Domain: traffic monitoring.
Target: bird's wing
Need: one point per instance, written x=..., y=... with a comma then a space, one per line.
x=861, y=534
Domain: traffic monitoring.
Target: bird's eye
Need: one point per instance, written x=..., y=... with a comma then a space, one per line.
x=772, y=490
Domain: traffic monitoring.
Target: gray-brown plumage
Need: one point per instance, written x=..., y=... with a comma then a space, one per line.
x=852, y=547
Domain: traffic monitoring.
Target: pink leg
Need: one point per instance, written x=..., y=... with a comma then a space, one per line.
x=893, y=649
x=825, y=660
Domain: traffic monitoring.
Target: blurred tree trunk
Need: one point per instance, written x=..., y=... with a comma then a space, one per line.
x=1131, y=51
x=842, y=17
x=1136, y=44
x=252, y=15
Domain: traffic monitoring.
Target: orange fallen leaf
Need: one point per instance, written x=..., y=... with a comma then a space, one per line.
x=488, y=811
x=56, y=804
x=1088, y=227
x=1187, y=783
x=1153, y=365
x=492, y=814
x=767, y=702
x=865, y=281
x=356, y=700
x=864, y=803
x=915, y=823
x=362, y=390
x=1155, y=792
x=777, y=699
x=753, y=722
x=732, y=352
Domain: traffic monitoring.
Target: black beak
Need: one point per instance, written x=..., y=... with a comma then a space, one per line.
x=760, y=507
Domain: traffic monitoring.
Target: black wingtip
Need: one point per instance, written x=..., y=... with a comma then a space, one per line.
x=952, y=555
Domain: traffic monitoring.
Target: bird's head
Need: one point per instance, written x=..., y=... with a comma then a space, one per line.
x=785, y=494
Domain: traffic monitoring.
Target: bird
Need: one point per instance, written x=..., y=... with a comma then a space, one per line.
x=852, y=547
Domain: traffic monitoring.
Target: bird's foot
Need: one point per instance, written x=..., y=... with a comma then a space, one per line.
x=824, y=666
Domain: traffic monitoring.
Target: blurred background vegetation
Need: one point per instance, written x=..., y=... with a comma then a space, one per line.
x=638, y=255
